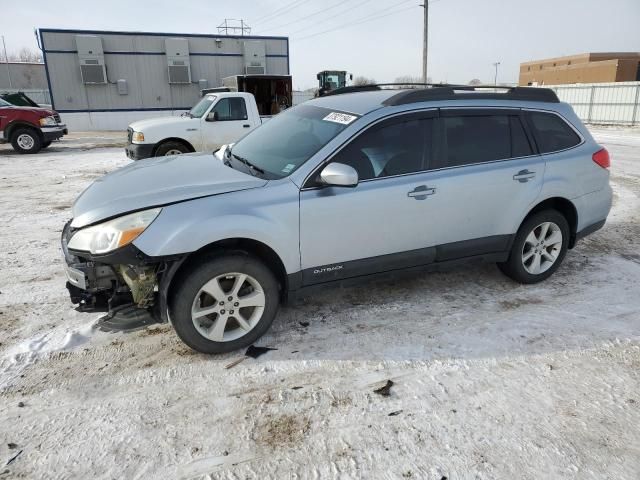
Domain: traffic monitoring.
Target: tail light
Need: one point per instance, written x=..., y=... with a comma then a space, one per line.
x=601, y=157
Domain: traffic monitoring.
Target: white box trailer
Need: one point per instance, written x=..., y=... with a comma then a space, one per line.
x=273, y=93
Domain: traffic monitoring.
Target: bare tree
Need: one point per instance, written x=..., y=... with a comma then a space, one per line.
x=359, y=81
x=407, y=80
x=25, y=54
x=475, y=81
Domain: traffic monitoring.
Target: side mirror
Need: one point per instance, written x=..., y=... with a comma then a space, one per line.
x=212, y=117
x=340, y=175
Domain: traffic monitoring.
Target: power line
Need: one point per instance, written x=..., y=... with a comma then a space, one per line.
x=366, y=19
x=322, y=11
x=277, y=11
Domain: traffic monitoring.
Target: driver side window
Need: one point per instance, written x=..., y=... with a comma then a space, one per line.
x=395, y=148
x=230, y=109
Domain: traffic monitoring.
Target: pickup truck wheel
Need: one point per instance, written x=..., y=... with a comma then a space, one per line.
x=171, y=148
x=224, y=304
x=26, y=140
x=539, y=248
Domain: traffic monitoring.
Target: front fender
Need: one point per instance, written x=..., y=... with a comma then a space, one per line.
x=268, y=215
x=17, y=124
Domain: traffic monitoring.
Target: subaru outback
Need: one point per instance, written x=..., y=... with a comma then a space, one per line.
x=358, y=184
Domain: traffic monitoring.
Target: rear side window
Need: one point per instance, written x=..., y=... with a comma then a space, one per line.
x=469, y=139
x=473, y=139
x=520, y=146
x=551, y=132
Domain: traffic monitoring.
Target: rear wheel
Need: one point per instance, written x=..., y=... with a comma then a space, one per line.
x=539, y=247
x=171, y=148
x=26, y=140
x=224, y=304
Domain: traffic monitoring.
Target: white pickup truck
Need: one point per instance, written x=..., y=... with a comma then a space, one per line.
x=217, y=119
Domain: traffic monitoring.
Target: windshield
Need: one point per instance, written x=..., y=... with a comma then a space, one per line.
x=281, y=145
x=333, y=81
x=4, y=103
x=201, y=107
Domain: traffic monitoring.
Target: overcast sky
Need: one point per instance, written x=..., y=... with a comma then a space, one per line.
x=381, y=39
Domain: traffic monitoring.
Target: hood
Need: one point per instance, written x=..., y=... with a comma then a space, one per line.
x=45, y=112
x=141, y=125
x=156, y=182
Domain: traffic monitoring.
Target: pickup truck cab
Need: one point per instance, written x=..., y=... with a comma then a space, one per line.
x=29, y=129
x=217, y=119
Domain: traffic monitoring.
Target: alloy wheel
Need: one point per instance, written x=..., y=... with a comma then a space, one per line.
x=541, y=248
x=228, y=307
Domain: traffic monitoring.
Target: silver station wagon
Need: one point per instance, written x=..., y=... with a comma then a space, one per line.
x=364, y=182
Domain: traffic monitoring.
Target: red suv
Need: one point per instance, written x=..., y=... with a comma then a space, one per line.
x=29, y=129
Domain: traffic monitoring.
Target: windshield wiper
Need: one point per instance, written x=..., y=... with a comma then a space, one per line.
x=252, y=167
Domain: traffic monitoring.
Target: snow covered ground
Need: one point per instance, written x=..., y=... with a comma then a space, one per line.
x=491, y=379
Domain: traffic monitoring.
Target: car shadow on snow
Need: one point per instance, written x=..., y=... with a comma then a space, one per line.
x=473, y=312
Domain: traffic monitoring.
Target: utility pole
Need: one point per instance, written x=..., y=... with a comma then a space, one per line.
x=425, y=40
x=495, y=78
x=6, y=59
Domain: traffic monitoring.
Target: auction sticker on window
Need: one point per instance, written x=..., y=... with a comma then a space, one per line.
x=338, y=117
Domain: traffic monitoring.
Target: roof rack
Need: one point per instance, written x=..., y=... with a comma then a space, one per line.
x=438, y=91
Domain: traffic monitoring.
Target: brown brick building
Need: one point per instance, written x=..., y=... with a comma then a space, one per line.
x=584, y=68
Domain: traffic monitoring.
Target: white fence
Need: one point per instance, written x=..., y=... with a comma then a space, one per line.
x=604, y=103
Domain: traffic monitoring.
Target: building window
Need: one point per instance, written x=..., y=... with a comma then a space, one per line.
x=569, y=62
x=528, y=69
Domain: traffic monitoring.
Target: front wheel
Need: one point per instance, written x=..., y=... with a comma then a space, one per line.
x=26, y=140
x=171, y=148
x=539, y=248
x=224, y=304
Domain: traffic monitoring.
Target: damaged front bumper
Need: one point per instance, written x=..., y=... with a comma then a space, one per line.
x=130, y=286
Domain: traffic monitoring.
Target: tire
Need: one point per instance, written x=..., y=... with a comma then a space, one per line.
x=171, y=148
x=26, y=140
x=203, y=332
x=46, y=144
x=542, y=238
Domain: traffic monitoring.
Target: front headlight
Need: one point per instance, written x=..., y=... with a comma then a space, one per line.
x=113, y=234
x=48, y=122
x=137, y=137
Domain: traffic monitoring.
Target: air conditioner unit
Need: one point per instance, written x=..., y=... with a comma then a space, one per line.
x=254, y=53
x=178, y=62
x=91, y=57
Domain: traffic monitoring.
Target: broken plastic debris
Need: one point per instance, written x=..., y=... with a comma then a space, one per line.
x=13, y=458
x=252, y=352
x=385, y=391
x=255, y=352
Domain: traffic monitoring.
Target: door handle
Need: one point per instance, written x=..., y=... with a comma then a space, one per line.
x=421, y=192
x=246, y=125
x=523, y=176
